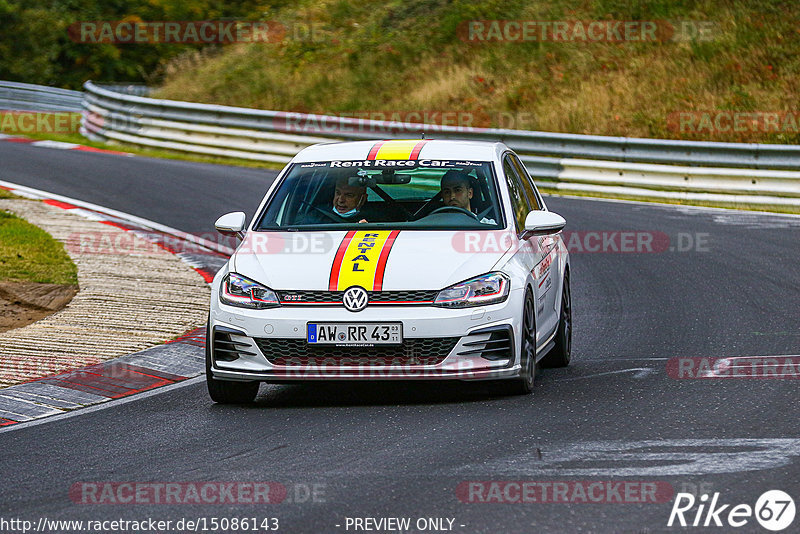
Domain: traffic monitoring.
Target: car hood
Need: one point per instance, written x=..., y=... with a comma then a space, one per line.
x=401, y=260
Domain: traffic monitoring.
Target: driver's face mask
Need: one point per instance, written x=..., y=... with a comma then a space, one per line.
x=346, y=214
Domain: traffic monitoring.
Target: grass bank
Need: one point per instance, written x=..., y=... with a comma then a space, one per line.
x=713, y=59
x=29, y=254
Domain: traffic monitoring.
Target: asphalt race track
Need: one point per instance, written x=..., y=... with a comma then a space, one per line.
x=730, y=287
x=184, y=195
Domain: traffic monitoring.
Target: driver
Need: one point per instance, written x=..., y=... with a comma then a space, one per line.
x=457, y=191
x=347, y=203
x=348, y=199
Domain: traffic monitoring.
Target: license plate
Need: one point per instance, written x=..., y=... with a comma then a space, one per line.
x=355, y=334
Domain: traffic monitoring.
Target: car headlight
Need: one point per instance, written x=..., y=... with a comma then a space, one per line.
x=239, y=291
x=480, y=291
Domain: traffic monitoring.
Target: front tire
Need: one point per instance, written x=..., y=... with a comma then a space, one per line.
x=561, y=353
x=523, y=384
x=227, y=391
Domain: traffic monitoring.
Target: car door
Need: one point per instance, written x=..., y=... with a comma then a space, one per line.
x=530, y=253
x=547, y=272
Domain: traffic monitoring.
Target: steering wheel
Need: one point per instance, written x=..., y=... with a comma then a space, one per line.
x=331, y=216
x=420, y=213
x=452, y=209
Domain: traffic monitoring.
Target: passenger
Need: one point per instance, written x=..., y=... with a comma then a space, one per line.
x=457, y=191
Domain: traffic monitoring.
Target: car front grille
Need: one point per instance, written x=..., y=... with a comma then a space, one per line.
x=413, y=351
x=377, y=298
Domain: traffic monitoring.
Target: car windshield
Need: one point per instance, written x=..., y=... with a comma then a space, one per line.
x=423, y=194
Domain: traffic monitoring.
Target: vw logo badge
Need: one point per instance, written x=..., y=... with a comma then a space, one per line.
x=355, y=299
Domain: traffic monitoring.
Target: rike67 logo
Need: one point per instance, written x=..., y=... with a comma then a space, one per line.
x=774, y=510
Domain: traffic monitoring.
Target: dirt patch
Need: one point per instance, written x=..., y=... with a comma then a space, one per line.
x=23, y=303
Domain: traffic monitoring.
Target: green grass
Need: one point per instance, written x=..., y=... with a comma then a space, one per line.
x=7, y=194
x=29, y=254
x=408, y=55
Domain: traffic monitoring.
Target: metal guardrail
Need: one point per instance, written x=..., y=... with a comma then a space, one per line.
x=137, y=89
x=723, y=173
x=16, y=96
x=542, y=144
x=717, y=185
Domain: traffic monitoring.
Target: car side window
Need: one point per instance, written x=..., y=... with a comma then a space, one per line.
x=519, y=199
x=527, y=183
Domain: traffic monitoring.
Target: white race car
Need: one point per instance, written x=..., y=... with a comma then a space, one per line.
x=397, y=260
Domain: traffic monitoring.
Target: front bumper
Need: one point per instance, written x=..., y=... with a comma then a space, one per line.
x=474, y=332
x=351, y=373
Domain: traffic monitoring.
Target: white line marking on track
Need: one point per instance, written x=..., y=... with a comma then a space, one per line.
x=103, y=405
x=641, y=372
x=38, y=193
x=606, y=360
x=785, y=366
x=634, y=458
x=760, y=357
x=55, y=144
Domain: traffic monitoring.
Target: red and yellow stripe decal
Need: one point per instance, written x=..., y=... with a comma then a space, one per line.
x=396, y=150
x=361, y=260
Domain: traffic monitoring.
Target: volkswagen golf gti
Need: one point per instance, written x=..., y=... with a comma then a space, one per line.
x=392, y=260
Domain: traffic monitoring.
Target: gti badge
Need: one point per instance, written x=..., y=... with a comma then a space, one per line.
x=355, y=299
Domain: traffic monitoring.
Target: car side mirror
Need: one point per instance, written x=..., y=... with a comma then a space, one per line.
x=543, y=223
x=231, y=224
